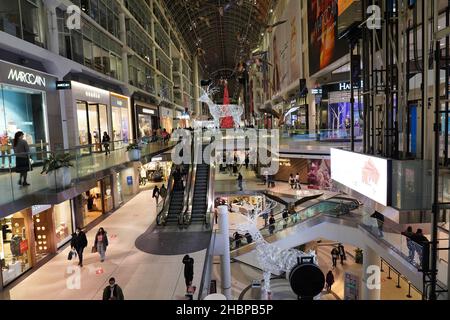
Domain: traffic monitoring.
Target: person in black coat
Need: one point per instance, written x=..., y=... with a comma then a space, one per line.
x=188, y=270
x=113, y=291
x=329, y=280
x=79, y=242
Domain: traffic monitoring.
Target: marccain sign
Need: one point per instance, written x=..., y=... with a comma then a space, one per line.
x=26, y=77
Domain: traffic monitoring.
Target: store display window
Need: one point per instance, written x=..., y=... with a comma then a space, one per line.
x=92, y=122
x=15, y=255
x=62, y=219
x=42, y=233
x=155, y=171
x=92, y=204
x=21, y=110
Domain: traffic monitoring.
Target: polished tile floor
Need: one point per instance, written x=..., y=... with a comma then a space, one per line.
x=141, y=275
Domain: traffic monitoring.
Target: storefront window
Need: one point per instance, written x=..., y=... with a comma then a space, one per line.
x=117, y=124
x=42, y=233
x=92, y=204
x=62, y=219
x=30, y=25
x=154, y=172
x=21, y=110
x=15, y=255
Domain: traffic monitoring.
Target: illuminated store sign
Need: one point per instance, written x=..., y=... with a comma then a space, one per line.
x=148, y=111
x=63, y=85
x=26, y=77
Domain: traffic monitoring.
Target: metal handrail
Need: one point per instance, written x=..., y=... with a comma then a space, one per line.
x=189, y=193
x=162, y=215
x=206, y=274
x=286, y=220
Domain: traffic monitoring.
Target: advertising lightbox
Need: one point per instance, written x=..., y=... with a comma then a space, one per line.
x=365, y=174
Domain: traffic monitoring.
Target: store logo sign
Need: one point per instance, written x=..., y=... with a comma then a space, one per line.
x=94, y=95
x=26, y=77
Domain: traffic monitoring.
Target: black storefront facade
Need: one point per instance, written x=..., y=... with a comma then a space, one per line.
x=145, y=115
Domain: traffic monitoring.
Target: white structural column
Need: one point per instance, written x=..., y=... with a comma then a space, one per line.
x=53, y=41
x=225, y=263
x=371, y=277
x=196, y=85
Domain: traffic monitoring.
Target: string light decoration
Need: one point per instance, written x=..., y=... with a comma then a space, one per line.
x=219, y=111
x=271, y=258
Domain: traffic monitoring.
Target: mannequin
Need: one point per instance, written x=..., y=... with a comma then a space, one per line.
x=15, y=245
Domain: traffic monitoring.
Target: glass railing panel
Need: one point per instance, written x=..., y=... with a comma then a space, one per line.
x=413, y=252
x=83, y=166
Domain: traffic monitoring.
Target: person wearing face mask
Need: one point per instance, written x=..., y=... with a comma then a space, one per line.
x=113, y=291
x=79, y=242
x=101, y=243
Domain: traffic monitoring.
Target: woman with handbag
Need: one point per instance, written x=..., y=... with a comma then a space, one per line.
x=21, y=151
x=101, y=243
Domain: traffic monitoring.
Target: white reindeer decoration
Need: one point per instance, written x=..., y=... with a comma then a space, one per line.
x=270, y=257
x=220, y=111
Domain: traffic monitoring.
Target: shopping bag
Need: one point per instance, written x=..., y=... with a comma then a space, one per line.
x=94, y=249
x=70, y=256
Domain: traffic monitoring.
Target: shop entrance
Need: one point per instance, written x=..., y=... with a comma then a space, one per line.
x=97, y=201
x=92, y=122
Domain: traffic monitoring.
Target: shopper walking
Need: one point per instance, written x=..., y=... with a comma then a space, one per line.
x=291, y=181
x=409, y=234
x=422, y=248
x=156, y=194
x=237, y=239
x=21, y=151
x=334, y=256
x=79, y=242
x=247, y=161
x=342, y=253
x=113, y=291
x=239, y=180
x=297, y=181
x=106, y=139
x=285, y=216
x=101, y=243
x=265, y=216
x=188, y=270
x=329, y=280
x=380, y=222
x=271, y=224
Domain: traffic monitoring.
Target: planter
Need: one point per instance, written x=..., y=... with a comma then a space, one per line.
x=134, y=155
x=60, y=178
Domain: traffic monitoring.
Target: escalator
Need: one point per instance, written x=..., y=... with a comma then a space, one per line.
x=326, y=207
x=177, y=201
x=200, y=192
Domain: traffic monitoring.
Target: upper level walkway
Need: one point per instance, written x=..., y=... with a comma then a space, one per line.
x=45, y=189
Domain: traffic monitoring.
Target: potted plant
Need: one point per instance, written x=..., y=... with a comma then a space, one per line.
x=358, y=256
x=134, y=151
x=59, y=164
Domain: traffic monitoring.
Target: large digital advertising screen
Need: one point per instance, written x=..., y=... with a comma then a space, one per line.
x=325, y=47
x=365, y=174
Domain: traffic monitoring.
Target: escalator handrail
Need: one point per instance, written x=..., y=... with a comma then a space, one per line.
x=298, y=213
x=187, y=214
x=187, y=204
x=163, y=214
